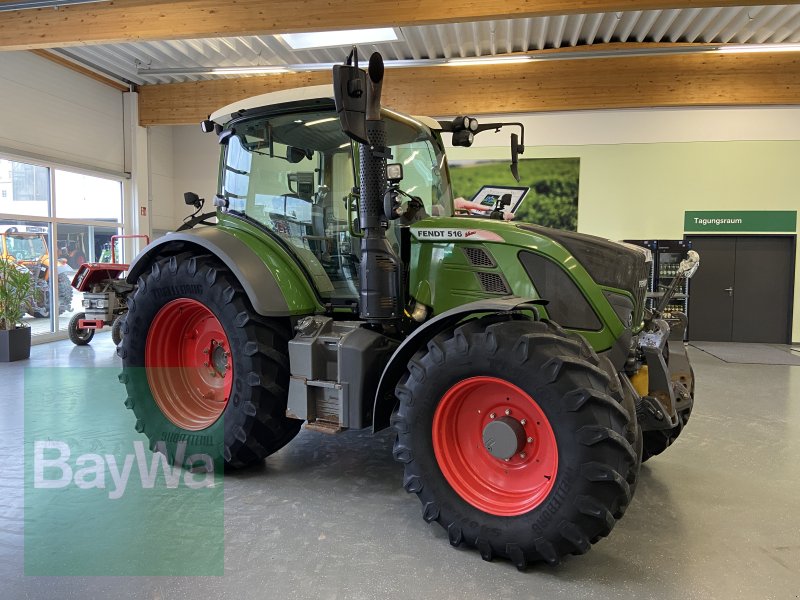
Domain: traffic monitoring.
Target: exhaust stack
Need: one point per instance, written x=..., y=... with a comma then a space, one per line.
x=358, y=102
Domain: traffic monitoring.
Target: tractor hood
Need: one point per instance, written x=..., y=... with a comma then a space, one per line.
x=612, y=264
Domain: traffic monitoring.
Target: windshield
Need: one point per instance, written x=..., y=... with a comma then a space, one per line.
x=25, y=247
x=295, y=174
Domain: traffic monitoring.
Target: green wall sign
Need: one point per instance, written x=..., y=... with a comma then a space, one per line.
x=740, y=220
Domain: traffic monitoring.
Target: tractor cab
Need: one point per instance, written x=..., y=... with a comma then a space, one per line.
x=291, y=170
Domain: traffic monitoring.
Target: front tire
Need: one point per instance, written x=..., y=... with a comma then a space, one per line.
x=78, y=335
x=202, y=368
x=568, y=479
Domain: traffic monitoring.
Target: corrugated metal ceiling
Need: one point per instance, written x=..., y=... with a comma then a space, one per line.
x=741, y=25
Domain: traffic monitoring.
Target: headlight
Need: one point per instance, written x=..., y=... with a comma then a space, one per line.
x=102, y=304
x=87, y=303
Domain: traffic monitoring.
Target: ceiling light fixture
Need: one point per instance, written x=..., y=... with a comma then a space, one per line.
x=488, y=60
x=332, y=39
x=749, y=48
x=572, y=54
x=252, y=70
x=248, y=70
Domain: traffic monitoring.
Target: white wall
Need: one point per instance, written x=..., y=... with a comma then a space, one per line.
x=182, y=159
x=162, y=168
x=641, y=170
x=48, y=110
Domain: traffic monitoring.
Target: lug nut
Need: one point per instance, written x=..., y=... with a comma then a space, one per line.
x=522, y=455
x=492, y=415
x=508, y=411
x=530, y=440
x=506, y=459
x=523, y=422
x=205, y=350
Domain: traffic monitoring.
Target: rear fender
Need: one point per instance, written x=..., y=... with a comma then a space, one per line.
x=384, y=397
x=267, y=274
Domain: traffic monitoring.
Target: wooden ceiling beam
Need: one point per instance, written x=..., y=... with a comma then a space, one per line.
x=704, y=79
x=146, y=20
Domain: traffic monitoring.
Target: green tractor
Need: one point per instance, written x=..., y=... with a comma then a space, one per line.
x=518, y=365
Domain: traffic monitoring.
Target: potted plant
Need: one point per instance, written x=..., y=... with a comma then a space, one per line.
x=15, y=286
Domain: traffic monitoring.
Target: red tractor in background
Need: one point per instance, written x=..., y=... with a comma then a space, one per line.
x=105, y=293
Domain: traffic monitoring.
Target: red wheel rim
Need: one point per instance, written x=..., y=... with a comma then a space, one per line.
x=496, y=486
x=188, y=364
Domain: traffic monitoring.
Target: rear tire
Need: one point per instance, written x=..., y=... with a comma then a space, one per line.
x=234, y=412
x=510, y=508
x=78, y=335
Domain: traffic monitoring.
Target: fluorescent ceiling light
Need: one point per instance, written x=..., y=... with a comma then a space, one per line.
x=748, y=48
x=247, y=70
x=328, y=39
x=488, y=60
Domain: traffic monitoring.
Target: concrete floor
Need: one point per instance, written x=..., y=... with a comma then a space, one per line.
x=716, y=516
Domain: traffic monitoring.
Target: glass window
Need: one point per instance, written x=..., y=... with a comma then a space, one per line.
x=78, y=244
x=80, y=196
x=294, y=175
x=52, y=252
x=24, y=189
x=422, y=176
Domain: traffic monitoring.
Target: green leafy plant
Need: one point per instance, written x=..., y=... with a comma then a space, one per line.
x=15, y=286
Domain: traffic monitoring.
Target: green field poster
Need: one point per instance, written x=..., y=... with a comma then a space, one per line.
x=553, y=197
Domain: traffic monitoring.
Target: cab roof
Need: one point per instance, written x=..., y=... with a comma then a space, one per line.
x=313, y=92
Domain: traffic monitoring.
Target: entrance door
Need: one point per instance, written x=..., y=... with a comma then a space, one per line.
x=743, y=289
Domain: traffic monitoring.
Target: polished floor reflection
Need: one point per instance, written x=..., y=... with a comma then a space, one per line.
x=716, y=516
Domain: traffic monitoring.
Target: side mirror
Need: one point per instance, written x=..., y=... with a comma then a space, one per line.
x=207, y=126
x=350, y=97
x=516, y=150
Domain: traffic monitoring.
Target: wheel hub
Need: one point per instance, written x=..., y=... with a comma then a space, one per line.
x=188, y=364
x=495, y=446
x=219, y=359
x=504, y=437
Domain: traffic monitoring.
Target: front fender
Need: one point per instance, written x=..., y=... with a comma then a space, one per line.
x=384, y=397
x=267, y=274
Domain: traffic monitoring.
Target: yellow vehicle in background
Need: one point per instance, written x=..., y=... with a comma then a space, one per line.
x=27, y=246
